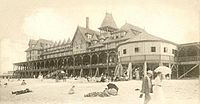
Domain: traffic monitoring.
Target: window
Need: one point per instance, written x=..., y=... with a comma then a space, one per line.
x=136, y=49
x=89, y=44
x=89, y=36
x=153, y=49
x=174, y=51
x=117, y=37
x=165, y=49
x=124, y=51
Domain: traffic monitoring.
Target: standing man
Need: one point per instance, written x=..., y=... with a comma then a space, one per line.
x=147, y=86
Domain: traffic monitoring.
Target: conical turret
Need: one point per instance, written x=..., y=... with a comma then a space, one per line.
x=108, y=23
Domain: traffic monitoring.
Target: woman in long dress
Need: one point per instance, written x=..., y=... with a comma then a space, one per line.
x=158, y=96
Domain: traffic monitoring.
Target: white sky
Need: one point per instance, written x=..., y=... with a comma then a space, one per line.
x=21, y=20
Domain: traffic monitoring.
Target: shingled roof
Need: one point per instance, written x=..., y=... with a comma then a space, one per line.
x=128, y=26
x=108, y=21
x=146, y=37
x=37, y=44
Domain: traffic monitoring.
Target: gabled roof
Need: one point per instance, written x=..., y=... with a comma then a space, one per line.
x=108, y=21
x=55, y=44
x=128, y=26
x=64, y=42
x=31, y=41
x=68, y=40
x=37, y=44
x=102, y=36
x=85, y=31
x=94, y=38
x=59, y=43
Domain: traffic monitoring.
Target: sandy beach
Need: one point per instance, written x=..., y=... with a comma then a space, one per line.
x=50, y=92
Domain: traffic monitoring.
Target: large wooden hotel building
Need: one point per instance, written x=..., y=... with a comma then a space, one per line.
x=93, y=52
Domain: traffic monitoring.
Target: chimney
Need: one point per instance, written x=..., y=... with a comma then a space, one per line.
x=87, y=22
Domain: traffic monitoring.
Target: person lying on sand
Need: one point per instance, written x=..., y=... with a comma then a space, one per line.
x=21, y=91
x=71, y=91
x=106, y=93
x=98, y=94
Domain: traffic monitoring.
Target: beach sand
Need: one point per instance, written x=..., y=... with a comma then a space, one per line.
x=50, y=92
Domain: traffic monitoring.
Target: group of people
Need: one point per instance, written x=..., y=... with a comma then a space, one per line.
x=110, y=90
x=155, y=88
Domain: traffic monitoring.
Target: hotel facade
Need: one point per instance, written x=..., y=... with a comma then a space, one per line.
x=93, y=52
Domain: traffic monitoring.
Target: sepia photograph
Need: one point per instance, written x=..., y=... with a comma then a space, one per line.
x=99, y=51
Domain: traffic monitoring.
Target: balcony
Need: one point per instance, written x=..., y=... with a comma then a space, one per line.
x=188, y=58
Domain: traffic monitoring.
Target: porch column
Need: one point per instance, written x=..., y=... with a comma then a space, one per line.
x=97, y=58
x=90, y=70
x=177, y=72
x=97, y=72
x=44, y=64
x=81, y=72
x=107, y=62
x=73, y=65
x=36, y=65
x=170, y=75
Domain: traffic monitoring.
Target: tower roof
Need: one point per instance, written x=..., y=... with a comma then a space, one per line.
x=108, y=21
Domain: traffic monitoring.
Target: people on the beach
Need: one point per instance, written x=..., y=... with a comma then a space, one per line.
x=64, y=78
x=40, y=77
x=21, y=91
x=111, y=90
x=72, y=90
x=5, y=85
x=103, y=78
x=147, y=87
x=23, y=82
x=57, y=78
x=158, y=96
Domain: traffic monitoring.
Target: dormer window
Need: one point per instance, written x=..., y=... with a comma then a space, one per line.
x=122, y=34
x=95, y=42
x=89, y=36
x=33, y=45
x=101, y=40
x=135, y=32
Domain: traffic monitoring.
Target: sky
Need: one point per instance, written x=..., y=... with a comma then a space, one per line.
x=21, y=20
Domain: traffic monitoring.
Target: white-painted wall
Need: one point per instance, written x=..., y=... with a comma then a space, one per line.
x=145, y=48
